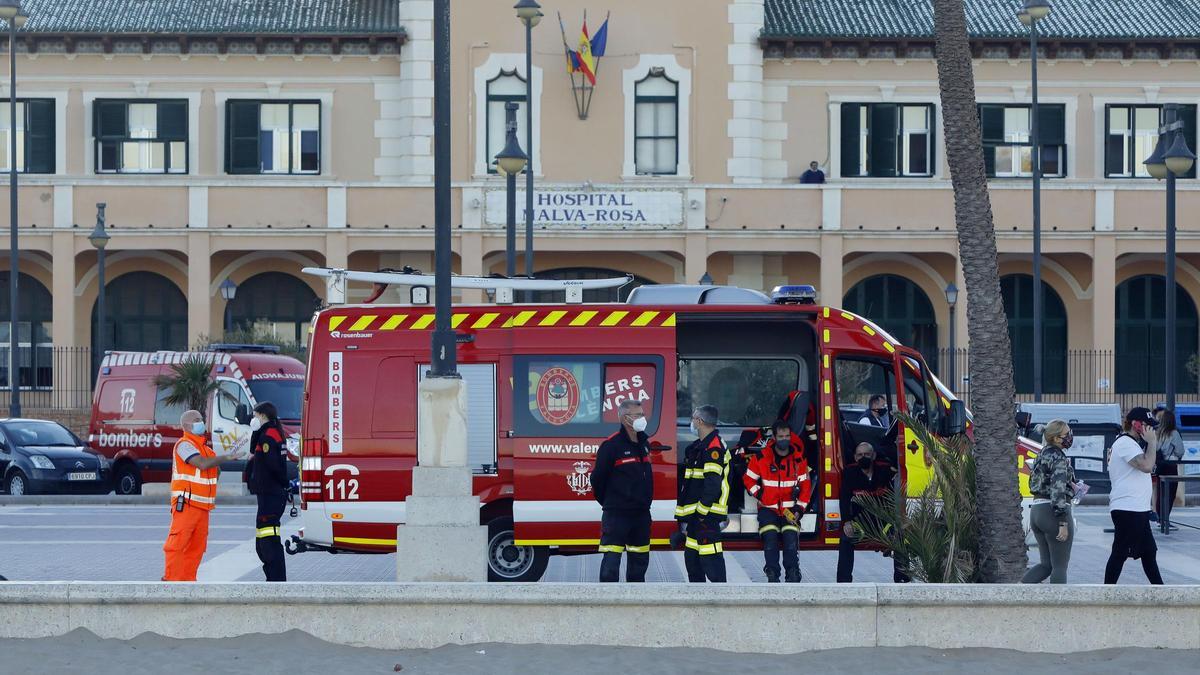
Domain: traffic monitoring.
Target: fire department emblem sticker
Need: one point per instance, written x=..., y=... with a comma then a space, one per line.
x=580, y=480
x=558, y=396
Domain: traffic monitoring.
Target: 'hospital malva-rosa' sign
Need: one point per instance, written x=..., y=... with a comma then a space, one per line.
x=593, y=208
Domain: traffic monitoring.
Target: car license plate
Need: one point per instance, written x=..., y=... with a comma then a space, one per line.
x=82, y=475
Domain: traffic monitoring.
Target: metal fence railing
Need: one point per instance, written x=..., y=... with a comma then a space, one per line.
x=49, y=377
x=1073, y=376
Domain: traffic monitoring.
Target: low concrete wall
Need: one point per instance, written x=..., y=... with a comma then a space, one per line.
x=398, y=616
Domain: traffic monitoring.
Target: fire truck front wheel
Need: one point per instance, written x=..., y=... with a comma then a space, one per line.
x=509, y=562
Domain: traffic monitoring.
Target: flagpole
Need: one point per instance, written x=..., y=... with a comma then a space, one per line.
x=570, y=68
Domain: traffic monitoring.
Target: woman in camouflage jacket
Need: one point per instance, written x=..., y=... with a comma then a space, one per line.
x=1052, y=483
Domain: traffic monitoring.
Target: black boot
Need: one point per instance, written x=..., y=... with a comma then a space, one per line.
x=792, y=575
x=772, y=575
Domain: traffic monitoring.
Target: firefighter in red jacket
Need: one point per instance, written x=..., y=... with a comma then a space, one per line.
x=778, y=478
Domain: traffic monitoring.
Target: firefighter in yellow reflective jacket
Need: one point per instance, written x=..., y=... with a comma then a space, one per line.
x=704, y=498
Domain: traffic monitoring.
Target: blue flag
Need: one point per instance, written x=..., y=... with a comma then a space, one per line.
x=600, y=40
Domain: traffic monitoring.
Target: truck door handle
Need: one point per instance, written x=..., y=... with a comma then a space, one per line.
x=219, y=431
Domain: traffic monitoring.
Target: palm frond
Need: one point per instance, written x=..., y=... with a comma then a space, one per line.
x=935, y=535
x=189, y=383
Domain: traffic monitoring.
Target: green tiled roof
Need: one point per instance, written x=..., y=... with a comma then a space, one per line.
x=1069, y=20
x=260, y=17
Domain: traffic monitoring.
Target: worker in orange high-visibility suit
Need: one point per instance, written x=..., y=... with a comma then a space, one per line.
x=193, y=494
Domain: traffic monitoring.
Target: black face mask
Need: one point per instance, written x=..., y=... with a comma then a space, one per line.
x=783, y=447
x=865, y=463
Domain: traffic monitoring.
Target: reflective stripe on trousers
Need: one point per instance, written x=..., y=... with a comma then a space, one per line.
x=267, y=532
x=705, y=549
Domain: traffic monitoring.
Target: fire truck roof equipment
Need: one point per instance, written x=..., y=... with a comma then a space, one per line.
x=803, y=294
x=686, y=294
x=503, y=286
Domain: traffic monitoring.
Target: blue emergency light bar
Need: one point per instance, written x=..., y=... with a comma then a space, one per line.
x=803, y=294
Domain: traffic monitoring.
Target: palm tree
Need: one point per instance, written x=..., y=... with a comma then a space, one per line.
x=190, y=383
x=1001, y=537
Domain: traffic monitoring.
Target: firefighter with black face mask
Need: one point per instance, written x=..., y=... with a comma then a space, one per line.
x=704, y=498
x=778, y=479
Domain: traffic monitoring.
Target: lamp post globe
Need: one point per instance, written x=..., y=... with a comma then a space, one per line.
x=9, y=9
x=228, y=289
x=1037, y=9
x=511, y=160
x=1024, y=17
x=1156, y=163
x=1180, y=158
x=951, y=294
x=529, y=12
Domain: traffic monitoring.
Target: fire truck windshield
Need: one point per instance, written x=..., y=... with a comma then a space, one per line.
x=287, y=395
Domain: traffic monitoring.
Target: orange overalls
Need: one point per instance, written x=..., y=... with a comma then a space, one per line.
x=195, y=492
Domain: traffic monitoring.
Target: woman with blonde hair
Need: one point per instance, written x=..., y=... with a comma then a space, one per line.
x=1052, y=483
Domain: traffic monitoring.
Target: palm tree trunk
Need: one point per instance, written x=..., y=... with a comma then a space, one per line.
x=1001, y=537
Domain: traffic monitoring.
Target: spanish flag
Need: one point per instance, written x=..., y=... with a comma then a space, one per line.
x=583, y=60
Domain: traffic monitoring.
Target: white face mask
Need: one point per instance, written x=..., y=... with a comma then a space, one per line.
x=255, y=424
x=639, y=425
x=694, y=429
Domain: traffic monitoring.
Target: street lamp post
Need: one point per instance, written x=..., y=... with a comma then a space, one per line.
x=10, y=11
x=510, y=162
x=952, y=300
x=228, y=292
x=444, y=361
x=1033, y=12
x=1170, y=158
x=99, y=240
x=530, y=14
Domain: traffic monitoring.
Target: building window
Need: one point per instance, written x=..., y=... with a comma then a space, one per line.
x=274, y=304
x=1007, y=141
x=35, y=135
x=272, y=137
x=35, y=352
x=1131, y=131
x=507, y=87
x=141, y=136
x=900, y=307
x=887, y=140
x=656, y=125
x=1140, y=362
x=1017, y=293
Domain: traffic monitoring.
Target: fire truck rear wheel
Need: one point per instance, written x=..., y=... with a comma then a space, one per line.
x=509, y=562
x=128, y=480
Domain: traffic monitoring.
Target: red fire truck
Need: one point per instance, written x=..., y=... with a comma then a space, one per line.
x=544, y=382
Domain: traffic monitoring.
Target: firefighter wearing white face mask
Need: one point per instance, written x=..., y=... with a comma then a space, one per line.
x=623, y=482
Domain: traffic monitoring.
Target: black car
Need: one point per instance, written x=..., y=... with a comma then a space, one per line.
x=41, y=456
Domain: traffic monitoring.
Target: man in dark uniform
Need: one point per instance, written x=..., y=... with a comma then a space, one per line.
x=864, y=477
x=623, y=482
x=704, y=498
x=268, y=482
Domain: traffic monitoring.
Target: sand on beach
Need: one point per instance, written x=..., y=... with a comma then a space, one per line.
x=295, y=652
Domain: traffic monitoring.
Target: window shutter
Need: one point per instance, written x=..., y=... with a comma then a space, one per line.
x=111, y=119
x=991, y=120
x=1052, y=124
x=242, y=137
x=884, y=138
x=1188, y=114
x=39, y=148
x=850, y=137
x=173, y=120
x=989, y=160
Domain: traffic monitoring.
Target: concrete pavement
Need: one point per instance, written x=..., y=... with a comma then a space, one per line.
x=124, y=543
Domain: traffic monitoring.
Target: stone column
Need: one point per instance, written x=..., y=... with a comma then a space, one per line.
x=199, y=278
x=830, y=288
x=441, y=538
x=1104, y=310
